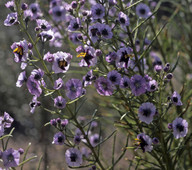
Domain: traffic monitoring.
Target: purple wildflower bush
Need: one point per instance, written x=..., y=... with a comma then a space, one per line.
x=117, y=50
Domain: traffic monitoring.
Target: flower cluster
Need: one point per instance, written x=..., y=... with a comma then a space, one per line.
x=115, y=56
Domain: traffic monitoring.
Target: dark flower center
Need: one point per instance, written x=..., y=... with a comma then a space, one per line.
x=72, y=88
x=142, y=11
x=43, y=26
x=73, y=157
x=125, y=83
x=94, y=31
x=19, y=51
x=143, y=143
x=12, y=20
x=98, y=11
x=32, y=104
x=113, y=78
x=60, y=139
x=180, y=127
x=124, y=58
x=76, y=26
x=175, y=99
x=122, y=20
x=146, y=112
x=104, y=85
x=153, y=87
x=62, y=64
x=59, y=104
x=137, y=84
x=104, y=32
x=34, y=9
x=87, y=78
x=87, y=58
x=96, y=140
x=37, y=76
x=10, y=157
x=58, y=13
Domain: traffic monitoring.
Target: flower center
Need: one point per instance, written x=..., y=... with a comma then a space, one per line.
x=175, y=99
x=62, y=64
x=122, y=20
x=73, y=157
x=105, y=32
x=113, y=78
x=60, y=139
x=146, y=112
x=98, y=11
x=10, y=158
x=180, y=127
x=58, y=13
x=19, y=51
x=142, y=11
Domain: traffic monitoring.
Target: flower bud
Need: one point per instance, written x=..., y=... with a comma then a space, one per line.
x=24, y=6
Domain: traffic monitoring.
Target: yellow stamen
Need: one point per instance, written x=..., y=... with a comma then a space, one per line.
x=129, y=55
x=82, y=54
x=18, y=50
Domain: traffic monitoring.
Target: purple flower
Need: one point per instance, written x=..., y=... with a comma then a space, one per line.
x=155, y=141
x=58, y=84
x=152, y=85
x=114, y=77
x=180, y=127
x=58, y=139
x=75, y=24
x=21, y=79
x=112, y=2
x=37, y=74
x=94, y=139
x=43, y=25
x=56, y=41
x=73, y=88
x=89, y=58
x=104, y=87
x=176, y=99
x=74, y=37
x=10, y=5
x=20, y=50
x=48, y=57
x=33, y=87
x=73, y=157
x=35, y=11
x=11, y=158
x=124, y=55
x=59, y=102
x=146, y=112
x=123, y=19
x=142, y=10
x=58, y=13
x=124, y=83
x=11, y=19
x=98, y=11
x=7, y=120
x=88, y=78
x=137, y=85
x=111, y=57
x=145, y=142
x=46, y=35
x=64, y=122
x=105, y=31
x=77, y=139
x=1, y=127
x=34, y=104
x=61, y=62
x=94, y=31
